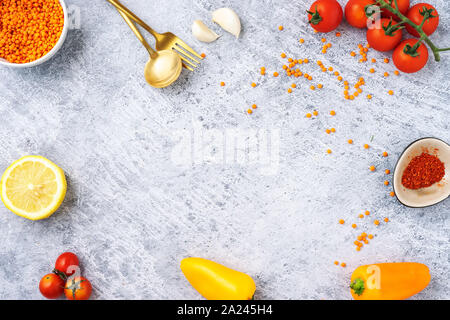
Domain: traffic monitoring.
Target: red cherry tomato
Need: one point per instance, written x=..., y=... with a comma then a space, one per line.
x=416, y=15
x=355, y=12
x=410, y=63
x=384, y=35
x=403, y=6
x=67, y=263
x=78, y=288
x=325, y=15
x=51, y=286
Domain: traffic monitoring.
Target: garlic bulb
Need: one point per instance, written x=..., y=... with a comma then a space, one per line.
x=202, y=32
x=228, y=20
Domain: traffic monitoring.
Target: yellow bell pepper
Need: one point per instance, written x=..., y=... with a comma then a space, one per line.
x=389, y=281
x=217, y=282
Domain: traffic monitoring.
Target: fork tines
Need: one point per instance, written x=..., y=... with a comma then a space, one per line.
x=187, y=54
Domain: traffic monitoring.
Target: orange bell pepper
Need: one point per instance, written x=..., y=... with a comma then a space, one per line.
x=389, y=281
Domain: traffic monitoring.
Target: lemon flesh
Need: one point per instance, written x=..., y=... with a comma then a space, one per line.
x=33, y=187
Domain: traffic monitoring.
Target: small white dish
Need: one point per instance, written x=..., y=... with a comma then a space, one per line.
x=434, y=194
x=49, y=54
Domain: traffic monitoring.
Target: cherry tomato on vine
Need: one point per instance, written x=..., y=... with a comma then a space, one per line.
x=67, y=263
x=403, y=6
x=407, y=60
x=355, y=12
x=325, y=15
x=417, y=13
x=78, y=288
x=384, y=35
x=51, y=286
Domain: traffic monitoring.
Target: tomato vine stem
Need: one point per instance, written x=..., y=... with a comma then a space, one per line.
x=403, y=19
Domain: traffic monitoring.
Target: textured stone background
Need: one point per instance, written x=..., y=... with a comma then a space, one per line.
x=131, y=214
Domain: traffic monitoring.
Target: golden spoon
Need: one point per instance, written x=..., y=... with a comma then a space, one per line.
x=163, y=67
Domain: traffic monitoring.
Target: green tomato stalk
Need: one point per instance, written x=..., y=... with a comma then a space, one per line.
x=423, y=37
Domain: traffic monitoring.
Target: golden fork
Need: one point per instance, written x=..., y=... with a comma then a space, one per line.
x=165, y=41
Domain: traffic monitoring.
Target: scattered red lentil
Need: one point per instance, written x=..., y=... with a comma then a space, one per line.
x=354, y=226
x=350, y=141
x=372, y=168
x=222, y=84
x=387, y=171
x=385, y=154
x=203, y=55
x=376, y=222
x=341, y=221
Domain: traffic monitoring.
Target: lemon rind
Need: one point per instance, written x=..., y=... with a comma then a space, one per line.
x=47, y=212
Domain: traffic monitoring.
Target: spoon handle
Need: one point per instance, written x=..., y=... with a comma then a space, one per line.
x=119, y=6
x=137, y=33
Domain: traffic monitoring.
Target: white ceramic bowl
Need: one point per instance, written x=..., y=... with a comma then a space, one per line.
x=49, y=54
x=434, y=194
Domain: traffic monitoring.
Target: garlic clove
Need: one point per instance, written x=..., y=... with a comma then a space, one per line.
x=202, y=32
x=228, y=20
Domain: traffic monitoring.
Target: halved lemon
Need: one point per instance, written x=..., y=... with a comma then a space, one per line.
x=33, y=187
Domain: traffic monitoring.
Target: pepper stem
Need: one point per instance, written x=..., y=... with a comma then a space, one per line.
x=357, y=286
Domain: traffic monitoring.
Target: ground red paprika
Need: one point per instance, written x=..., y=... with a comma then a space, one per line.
x=423, y=171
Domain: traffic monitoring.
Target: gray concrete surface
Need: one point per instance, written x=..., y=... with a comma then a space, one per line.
x=136, y=205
